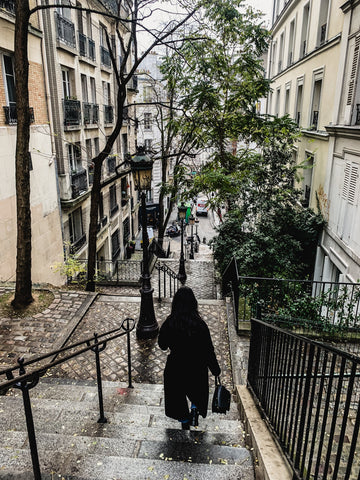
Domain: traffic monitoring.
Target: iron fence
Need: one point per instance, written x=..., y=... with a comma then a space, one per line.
x=309, y=395
x=168, y=281
x=315, y=305
x=37, y=368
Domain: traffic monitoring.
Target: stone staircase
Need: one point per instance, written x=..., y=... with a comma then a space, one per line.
x=137, y=443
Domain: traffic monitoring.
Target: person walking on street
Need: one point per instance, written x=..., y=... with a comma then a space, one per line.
x=191, y=355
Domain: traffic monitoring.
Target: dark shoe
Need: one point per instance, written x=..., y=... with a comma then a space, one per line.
x=185, y=425
x=194, y=417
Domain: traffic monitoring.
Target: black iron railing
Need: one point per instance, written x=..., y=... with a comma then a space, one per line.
x=309, y=396
x=65, y=30
x=79, y=183
x=72, y=112
x=78, y=243
x=91, y=113
x=91, y=49
x=315, y=305
x=167, y=280
x=10, y=112
x=24, y=377
x=8, y=5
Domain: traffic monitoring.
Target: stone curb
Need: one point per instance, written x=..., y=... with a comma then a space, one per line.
x=270, y=463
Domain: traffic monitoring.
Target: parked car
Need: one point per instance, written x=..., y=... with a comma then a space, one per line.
x=173, y=230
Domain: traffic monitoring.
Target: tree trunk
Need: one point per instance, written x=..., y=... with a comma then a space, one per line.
x=23, y=289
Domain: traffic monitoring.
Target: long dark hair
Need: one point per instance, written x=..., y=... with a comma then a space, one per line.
x=184, y=315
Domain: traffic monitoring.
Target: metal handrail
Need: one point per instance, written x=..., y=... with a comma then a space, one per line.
x=26, y=381
x=170, y=277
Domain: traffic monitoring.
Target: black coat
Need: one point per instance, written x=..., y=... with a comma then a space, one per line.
x=186, y=370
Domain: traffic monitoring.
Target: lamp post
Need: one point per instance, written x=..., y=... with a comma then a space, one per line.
x=141, y=168
x=182, y=214
x=196, y=234
x=192, y=222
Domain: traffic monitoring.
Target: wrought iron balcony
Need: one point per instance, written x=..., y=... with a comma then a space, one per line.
x=65, y=30
x=105, y=57
x=11, y=115
x=78, y=243
x=86, y=47
x=72, y=112
x=79, y=183
x=8, y=5
x=91, y=113
x=108, y=114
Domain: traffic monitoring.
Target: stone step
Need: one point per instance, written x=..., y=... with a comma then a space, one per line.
x=137, y=442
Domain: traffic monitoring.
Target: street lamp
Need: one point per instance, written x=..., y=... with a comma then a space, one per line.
x=192, y=222
x=182, y=215
x=141, y=168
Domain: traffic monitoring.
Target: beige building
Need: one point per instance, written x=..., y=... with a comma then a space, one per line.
x=47, y=245
x=313, y=64
x=82, y=97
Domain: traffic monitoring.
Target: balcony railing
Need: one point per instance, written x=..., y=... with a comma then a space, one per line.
x=105, y=57
x=72, y=112
x=8, y=5
x=79, y=183
x=65, y=30
x=108, y=114
x=91, y=113
x=78, y=243
x=11, y=115
x=86, y=47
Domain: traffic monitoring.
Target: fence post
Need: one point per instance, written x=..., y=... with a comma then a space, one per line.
x=25, y=386
x=96, y=349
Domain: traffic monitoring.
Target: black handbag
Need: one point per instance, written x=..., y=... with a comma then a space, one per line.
x=221, y=398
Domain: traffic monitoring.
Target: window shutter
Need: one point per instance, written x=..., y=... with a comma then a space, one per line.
x=353, y=73
x=354, y=174
x=345, y=189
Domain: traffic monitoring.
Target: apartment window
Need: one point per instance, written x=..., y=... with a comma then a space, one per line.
x=291, y=43
x=74, y=154
x=273, y=59
x=96, y=146
x=126, y=230
x=304, y=30
x=104, y=51
x=114, y=207
x=277, y=102
x=148, y=144
x=315, y=109
x=88, y=149
x=281, y=53
x=323, y=19
x=88, y=24
x=287, y=99
x=307, y=178
x=147, y=121
x=106, y=93
x=115, y=245
x=9, y=80
x=77, y=236
x=299, y=99
x=64, y=12
x=101, y=206
x=84, y=88
x=93, y=90
x=349, y=200
x=66, y=83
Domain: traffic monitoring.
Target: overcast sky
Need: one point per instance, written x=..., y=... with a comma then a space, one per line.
x=265, y=6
